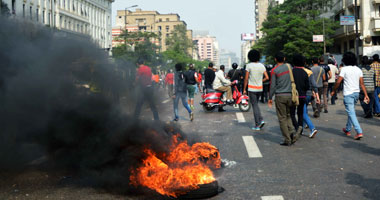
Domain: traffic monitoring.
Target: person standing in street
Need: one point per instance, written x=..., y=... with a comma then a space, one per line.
x=311, y=94
x=353, y=80
x=265, y=93
x=319, y=75
x=234, y=75
x=334, y=72
x=169, y=82
x=180, y=92
x=209, y=76
x=281, y=88
x=301, y=79
x=146, y=90
x=326, y=77
x=192, y=82
x=200, y=78
x=368, y=75
x=254, y=82
x=376, y=67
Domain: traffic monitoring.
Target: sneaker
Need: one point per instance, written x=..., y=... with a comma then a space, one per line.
x=175, y=119
x=256, y=128
x=358, y=136
x=191, y=116
x=326, y=111
x=261, y=125
x=346, y=132
x=313, y=133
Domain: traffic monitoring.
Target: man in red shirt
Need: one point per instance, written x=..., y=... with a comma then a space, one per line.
x=169, y=82
x=146, y=91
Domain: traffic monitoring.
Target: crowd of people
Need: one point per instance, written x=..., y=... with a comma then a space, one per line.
x=316, y=83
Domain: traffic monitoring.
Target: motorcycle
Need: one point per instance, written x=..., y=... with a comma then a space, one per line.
x=212, y=99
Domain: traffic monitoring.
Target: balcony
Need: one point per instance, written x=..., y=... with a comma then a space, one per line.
x=351, y=3
x=375, y=1
x=375, y=24
x=352, y=29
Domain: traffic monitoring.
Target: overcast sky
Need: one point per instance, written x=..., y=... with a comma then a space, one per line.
x=224, y=19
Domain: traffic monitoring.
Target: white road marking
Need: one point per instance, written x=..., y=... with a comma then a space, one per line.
x=240, y=117
x=272, y=197
x=167, y=100
x=252, y=148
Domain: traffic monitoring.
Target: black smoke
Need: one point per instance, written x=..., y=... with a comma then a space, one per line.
x=60, y=103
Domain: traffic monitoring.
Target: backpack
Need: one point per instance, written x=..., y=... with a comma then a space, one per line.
x=190, y=79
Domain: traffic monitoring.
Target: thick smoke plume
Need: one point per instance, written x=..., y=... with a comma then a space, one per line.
x=59, y=100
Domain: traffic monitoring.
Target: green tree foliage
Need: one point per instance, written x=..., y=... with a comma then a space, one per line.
x=290, y=28
x=139, y=46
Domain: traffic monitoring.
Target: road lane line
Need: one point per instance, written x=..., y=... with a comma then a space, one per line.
x=252, y=148
x=167, y=100
x=272, y=197
x=240, y=117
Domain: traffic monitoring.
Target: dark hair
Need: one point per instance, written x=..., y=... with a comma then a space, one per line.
x=314, y=60
x=349, y=58
x=191, y=66
x=375, y=57
x=234, y=65
x=168, y=71
x=222, y=67
x=178, y=67
x=211, y=64
x=321, y=60
x=140, y=61
x=298, y=60
x=365, y=60
x=253, y=55
x=330, y=61
x=280, y=57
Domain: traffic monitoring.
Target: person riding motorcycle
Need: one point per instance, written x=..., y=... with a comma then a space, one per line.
x=222, y=84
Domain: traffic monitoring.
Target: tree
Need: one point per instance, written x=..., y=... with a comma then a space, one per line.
x=290, y=27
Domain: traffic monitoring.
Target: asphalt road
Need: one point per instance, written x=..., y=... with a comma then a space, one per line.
x=330, y=166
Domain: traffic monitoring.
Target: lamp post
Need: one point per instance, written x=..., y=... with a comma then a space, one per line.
x=125, y=24
x=357, y=30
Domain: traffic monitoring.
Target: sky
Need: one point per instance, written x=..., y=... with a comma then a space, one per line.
x=224, y=19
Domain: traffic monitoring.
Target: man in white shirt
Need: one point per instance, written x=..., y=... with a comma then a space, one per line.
x=334, y=72
x=353, y=80
x=222, y=84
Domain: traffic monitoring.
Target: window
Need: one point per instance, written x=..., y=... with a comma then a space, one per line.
x=167, y=34
x=167, y=19
x=167, y=28
x=159, y=28
x=37, y=12
x=14, y=7
x=142, y=28
x=23, y=10
x=376, y=40
x=43, y=17
x=160, y=20
x=30, y=12
x=49, y=18
x=352, y=44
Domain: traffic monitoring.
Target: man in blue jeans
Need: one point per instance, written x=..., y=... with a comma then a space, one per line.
x=353, y=78
x=180, y=92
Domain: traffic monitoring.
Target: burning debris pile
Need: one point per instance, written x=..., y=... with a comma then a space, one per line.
x=181, y=170
x=58, y=100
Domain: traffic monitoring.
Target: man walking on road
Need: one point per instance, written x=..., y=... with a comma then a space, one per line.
x=368, y=74
x=192, y=82
x=254, y=80
x=319, y=75
x=376, y=67
x=209, y=76
x=327, y=73
x=169, y=82
x=281, y=86
x=145, y=88
x=353, y=78
x=334, y=72
x=180, y=92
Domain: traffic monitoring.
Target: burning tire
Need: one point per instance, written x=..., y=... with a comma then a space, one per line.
x=204, y=191
x=244, y=108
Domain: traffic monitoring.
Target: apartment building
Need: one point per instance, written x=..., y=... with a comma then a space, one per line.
x=150, y=21
x=369, y=27
x=208, y=48
x=84, y=17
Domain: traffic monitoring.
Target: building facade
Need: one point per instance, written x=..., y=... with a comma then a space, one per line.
x=245, y=48
x=208, y=48
x=149, y=21
x=226, y=58
x=369, y=27
x=84, y=17
x=261, y=12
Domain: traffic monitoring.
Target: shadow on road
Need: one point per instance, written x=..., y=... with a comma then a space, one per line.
x=361, y=147
x=371, y=186
x=333, y=131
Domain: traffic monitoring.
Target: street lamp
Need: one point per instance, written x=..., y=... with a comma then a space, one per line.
x=125, y=24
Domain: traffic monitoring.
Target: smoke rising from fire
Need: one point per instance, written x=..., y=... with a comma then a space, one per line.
x=59, y=98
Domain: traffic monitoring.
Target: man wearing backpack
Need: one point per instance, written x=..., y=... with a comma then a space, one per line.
x=192, y=82
x=180, y=92
x=319, y=75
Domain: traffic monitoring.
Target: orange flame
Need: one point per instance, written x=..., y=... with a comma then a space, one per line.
x=182, y=170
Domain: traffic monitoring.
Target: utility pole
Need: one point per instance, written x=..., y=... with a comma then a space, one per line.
x=324, y=34
x=357, y=31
